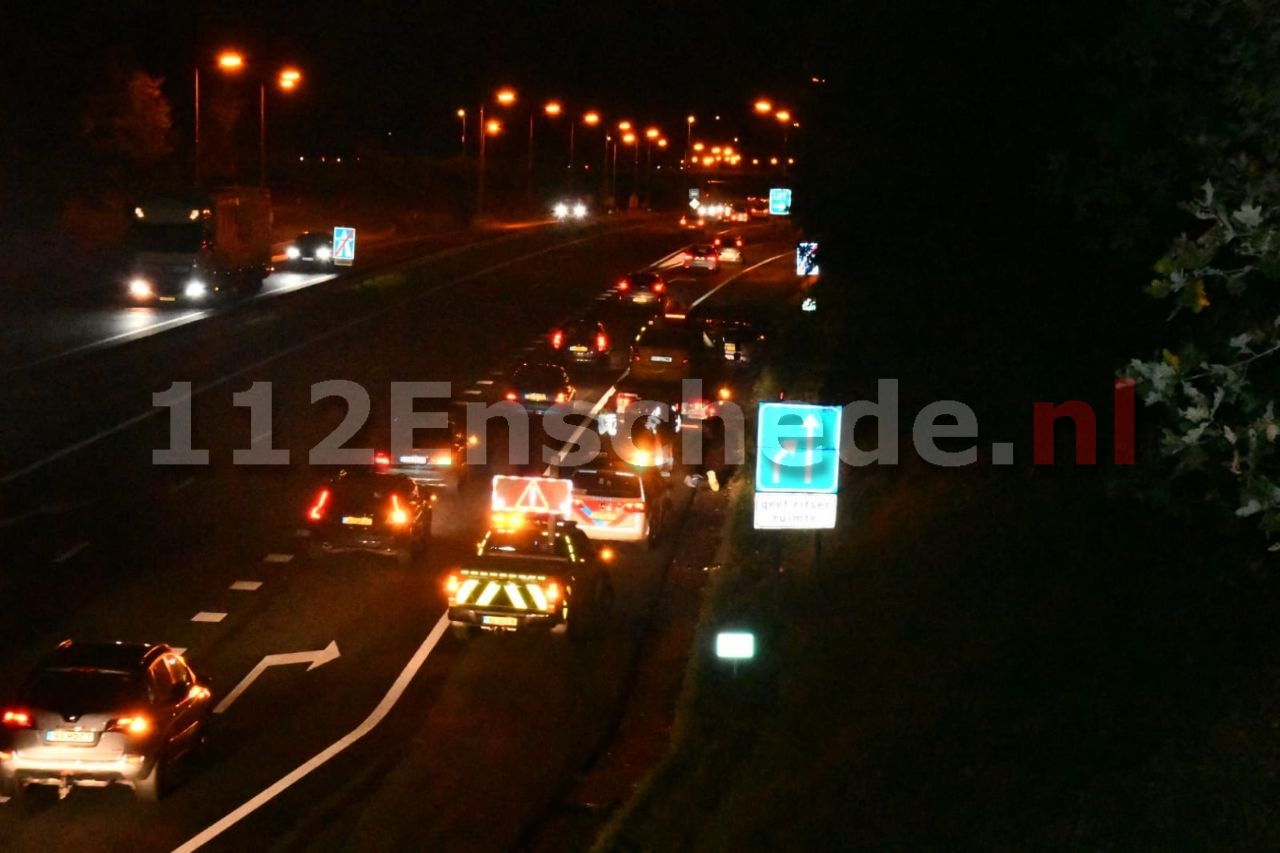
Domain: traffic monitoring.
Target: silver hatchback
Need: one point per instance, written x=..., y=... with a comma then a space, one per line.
x=96, y=714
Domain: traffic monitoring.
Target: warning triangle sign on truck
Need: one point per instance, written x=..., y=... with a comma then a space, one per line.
x=540, y=495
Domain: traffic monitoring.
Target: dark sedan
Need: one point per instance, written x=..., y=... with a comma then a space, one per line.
x=539, y=386
x=311, y=248
x=371, y=511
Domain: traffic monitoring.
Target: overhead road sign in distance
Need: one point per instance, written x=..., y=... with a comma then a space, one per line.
x=539, y=495
x=797, y=448
x=344, y=246
x=779, y=201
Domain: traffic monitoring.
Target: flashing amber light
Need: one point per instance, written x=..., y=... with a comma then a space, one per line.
x=397, y=516
x=606, y=554
x=782, y=115
x=763, y=106
x=552, y=592
x=229, y=60
x=561, y=397
x=451, y=585
x=591, y=118
x=493, y=127
x=505, y=522
x=317, y=511
x=506, y=97
x=724, y=393
x=552, y=108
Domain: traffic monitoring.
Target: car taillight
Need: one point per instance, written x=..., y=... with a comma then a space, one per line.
x=381, y=459
x=561, y=396
x=684, y=361
x=658, y=287
x=636, y=357
x=136, y=724
x=633, y=506
x=624, y=285
x=738, y=242
x=602, y=343
x=398, y=516
x=552, y=592
x=511, y=395
x=16, y=718
x=317, y=509
x=688, y=256
x=451, y=585
x=557, y=338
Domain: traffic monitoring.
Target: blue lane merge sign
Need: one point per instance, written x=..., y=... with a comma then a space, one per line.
x=344, y=246
x=797, y=448
x=779, y=201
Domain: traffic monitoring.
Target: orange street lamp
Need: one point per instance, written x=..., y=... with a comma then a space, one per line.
x=688, y=134
x=782, y=116
x=764, y=107
x=624, y=126
x=230, y=60
x=698, y=146
x=552, y=108
x=287, y=80
x=462, y=117
x=652, y=133
x=591, y=119
x=506, y=97
x=628, y=138
x=493, y=127
x=662, y=143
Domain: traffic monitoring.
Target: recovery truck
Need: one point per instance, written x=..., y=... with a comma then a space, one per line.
x=195, y=248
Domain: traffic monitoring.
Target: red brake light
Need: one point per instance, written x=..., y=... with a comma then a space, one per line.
x=317, y=509
x=136, y=724
x=717, y=241
x=689, y=255
x=738, y=242
x=15, y=718
x=602, y=343
x=381, y=458
x=511, y=395
x=636, y=358
x=658, y=287
x=624, y=284
x=557, y=338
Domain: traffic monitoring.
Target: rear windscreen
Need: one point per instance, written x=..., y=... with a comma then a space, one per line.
x=83, y=691
x=607, y=485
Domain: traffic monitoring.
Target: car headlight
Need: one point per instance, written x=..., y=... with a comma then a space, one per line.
x=561, y=210
x=579, y=211
x=324, y=253
x=292, y=253
x=140, y=288
x=195, y=289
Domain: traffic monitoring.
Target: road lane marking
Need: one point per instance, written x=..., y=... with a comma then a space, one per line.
x=484, y=381
x=246, y=586
x=206, y=616
x=288, y=780
x=734, y=277
x=277, y=558
x=582, y=427
x=70, y=552
x=184, y=484
x=318, y=657
x=288, y=351
x=103, y=343
x=473, y=391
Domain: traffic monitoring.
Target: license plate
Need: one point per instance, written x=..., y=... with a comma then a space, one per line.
x=537, y=398
x=414, y=460
x=357, y=519
x=168, y=299
x=666, y=358
x=604, y=517
x=577, y=348
x=730, y=349
x=62, y=736
x=502, y=621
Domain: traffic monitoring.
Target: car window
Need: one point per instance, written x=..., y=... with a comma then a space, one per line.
x=539, y=376
x=86, y=690
x=161, y=680
x=607, y=484
x=180, y=672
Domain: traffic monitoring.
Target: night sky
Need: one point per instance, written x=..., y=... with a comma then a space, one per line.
x=405, y=68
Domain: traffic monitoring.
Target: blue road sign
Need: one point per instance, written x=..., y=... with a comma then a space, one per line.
x=797, y=448
x=779, y=201
x=344, y=245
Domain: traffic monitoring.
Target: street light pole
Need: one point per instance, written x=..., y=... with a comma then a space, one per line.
x=529, y=176
x=571, y=126
x=480, y=166
x=196, y=168
x=262, y=134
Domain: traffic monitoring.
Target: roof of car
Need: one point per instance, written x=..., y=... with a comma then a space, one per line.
x=102, y=655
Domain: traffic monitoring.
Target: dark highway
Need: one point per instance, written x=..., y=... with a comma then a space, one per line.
x=376, y=729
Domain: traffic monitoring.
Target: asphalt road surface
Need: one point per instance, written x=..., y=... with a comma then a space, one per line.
x=408, y=738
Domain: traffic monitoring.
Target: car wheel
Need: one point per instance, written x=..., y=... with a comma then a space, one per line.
x=151, y=788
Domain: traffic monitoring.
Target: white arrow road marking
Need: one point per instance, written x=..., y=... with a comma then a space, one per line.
x=379, y=713
x=315, y=659
x=70, y=552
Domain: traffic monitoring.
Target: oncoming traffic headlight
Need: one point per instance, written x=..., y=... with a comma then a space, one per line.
x=292, y=253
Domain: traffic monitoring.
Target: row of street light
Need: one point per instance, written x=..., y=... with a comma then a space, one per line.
x=232, y=62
